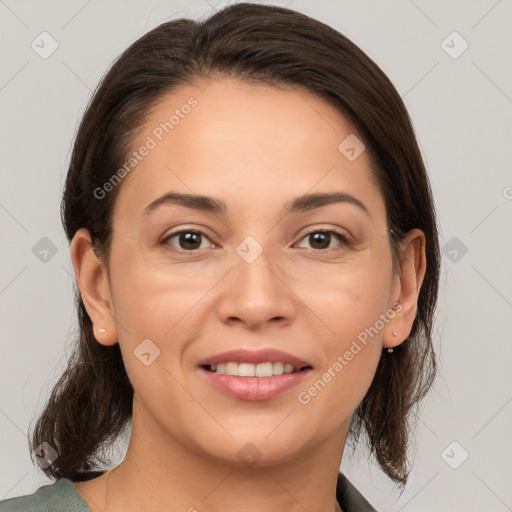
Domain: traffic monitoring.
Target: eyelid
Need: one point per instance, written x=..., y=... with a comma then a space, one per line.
x=185, y=230
x=343, y=237
x=314, y=228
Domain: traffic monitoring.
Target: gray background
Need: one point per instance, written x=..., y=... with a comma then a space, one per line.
x=461, y=109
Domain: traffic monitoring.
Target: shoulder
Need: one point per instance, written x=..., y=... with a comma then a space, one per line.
x=60, y=496
x=349, y=498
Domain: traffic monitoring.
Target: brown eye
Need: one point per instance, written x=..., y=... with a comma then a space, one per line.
x=321, y=239
x=187, y=240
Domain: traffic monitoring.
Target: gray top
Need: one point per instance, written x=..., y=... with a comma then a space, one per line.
x=62, y=496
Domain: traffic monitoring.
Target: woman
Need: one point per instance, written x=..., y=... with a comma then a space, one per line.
x=255, y=246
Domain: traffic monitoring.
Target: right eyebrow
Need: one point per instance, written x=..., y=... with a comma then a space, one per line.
x=196, y=202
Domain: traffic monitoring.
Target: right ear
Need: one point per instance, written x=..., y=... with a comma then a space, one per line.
x=94, y=287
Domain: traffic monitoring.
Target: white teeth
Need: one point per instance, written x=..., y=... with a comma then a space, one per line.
x=246, y=370
x=231, y=369
x=288, y=368
x=277, y=368
x=253, y=370
x=263, y=370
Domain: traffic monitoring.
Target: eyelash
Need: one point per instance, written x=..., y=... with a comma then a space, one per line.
x=344, y=242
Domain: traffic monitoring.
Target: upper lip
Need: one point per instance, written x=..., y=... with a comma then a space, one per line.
x=267, y=355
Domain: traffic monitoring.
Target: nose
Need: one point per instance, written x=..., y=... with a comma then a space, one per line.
x=257, y=292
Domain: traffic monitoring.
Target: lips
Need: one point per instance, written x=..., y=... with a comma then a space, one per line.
x=255, y=357
x=262, y=374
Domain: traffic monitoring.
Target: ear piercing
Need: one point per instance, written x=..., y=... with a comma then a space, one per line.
x=102, y=330
x=390, y=350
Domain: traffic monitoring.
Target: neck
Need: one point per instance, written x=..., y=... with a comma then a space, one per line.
x=159, y=473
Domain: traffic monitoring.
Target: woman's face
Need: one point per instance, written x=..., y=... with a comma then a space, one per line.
x=266, y=271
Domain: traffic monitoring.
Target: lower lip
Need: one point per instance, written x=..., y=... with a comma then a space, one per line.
x=255, y=388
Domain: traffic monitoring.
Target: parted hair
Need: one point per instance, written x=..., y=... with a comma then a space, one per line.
x=91, y=402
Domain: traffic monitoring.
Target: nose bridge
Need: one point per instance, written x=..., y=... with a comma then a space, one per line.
x=256, y=292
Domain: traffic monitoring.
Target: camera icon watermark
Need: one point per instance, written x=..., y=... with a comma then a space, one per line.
x=351, y=147
x=454, y=455
x=44, y=250
x=249, y=454
x=45, y=455
x=454, y=45
x=44, y=45
x=146, y=352
x=249, y=249
x=454, y=249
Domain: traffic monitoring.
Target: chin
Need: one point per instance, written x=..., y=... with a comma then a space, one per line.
x=256, y=451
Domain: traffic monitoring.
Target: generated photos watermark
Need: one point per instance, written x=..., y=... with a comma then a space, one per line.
x=304, y=397
x=152, y=141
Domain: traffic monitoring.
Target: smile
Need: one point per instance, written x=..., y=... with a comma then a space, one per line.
x=267, y=369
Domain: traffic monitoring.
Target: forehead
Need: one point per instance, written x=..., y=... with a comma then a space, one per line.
x=247, y=145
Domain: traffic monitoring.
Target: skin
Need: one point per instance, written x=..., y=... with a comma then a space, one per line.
x=255, y=147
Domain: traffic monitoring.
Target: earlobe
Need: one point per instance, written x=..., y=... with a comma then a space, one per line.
x=93, y=284
x=412, y=273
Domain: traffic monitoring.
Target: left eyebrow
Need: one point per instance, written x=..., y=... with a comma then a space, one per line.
x=299, y=204
x=311, y=201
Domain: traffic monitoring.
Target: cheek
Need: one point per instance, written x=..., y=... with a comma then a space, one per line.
x=340, y=387
x=150, y=299
x=351, y=307
x=144, y=312
x=350, y=355
x=153, y=325
x=347, y=302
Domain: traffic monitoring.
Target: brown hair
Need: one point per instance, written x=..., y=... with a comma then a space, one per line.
x=92, y=401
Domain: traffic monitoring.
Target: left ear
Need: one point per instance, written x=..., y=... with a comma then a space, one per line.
x=408, y=282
